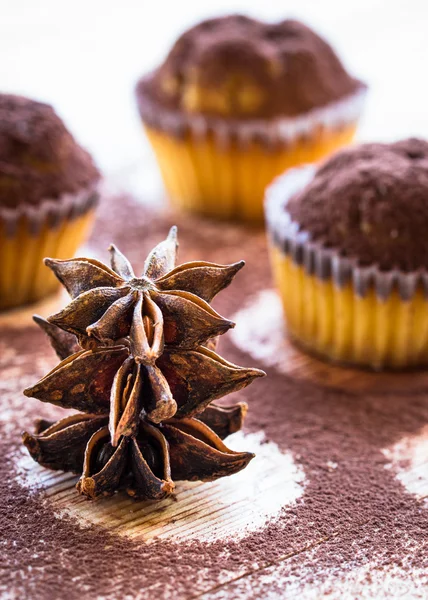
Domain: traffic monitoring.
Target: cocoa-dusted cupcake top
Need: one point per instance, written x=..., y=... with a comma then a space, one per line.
x=39, y=158
x=239, y=67
x=370, y=202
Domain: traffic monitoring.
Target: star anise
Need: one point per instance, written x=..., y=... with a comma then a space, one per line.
x=143, y=374
x=109, y=304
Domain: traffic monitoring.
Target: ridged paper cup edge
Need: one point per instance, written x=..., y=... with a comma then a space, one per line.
x=269, y=132
x=327, y=263
x=49, y=210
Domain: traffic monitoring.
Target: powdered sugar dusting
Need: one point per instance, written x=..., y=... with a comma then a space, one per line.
x=365, y=582
x=409, y=459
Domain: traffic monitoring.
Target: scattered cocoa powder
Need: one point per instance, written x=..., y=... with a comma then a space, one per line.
x=359, y=508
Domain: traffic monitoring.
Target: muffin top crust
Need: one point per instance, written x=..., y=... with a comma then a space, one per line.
x=39, y=157
x=370, y=202
x=239, y=67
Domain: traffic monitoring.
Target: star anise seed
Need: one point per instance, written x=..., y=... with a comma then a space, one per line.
x=138, y=362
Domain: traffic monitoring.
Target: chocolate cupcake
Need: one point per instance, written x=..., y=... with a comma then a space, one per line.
x=350, y=254
x=48, y=191
x=238, y=101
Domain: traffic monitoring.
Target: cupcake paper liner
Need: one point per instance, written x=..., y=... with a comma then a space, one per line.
x=326, y=263
x=336, y=308
x=228, y=183
x=28, y=234
x=220, y=167
x=48, y=211
x=267, y=132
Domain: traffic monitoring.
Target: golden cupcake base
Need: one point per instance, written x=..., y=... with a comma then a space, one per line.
x=340, y=325
x=227, y=181
x=24, y=279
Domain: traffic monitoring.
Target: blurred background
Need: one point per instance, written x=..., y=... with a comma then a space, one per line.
x=84, y=58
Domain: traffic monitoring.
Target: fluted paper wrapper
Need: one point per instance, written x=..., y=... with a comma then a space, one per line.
x=269, y=132
x=51, y=212
x=220, y=167
x=327, y=263
x=55, y=227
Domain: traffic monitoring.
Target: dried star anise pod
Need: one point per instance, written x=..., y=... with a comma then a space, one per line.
x=137, y=360
x=110, y=304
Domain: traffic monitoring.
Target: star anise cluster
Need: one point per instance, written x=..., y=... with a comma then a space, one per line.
x=139, y=362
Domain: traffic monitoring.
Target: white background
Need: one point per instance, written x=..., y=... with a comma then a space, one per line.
x=85, y=56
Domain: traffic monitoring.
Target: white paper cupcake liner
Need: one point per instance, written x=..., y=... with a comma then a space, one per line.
x=268, y=132
x=326, y=263
x=49, y=211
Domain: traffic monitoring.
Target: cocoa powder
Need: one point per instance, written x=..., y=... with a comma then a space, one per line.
x=285, y=68
x=370, y=203
x=39, y=158
x=359, y=508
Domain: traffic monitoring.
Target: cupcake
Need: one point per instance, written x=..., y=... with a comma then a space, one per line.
x=237, y=102
x=349, y=248
x=48, y=191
